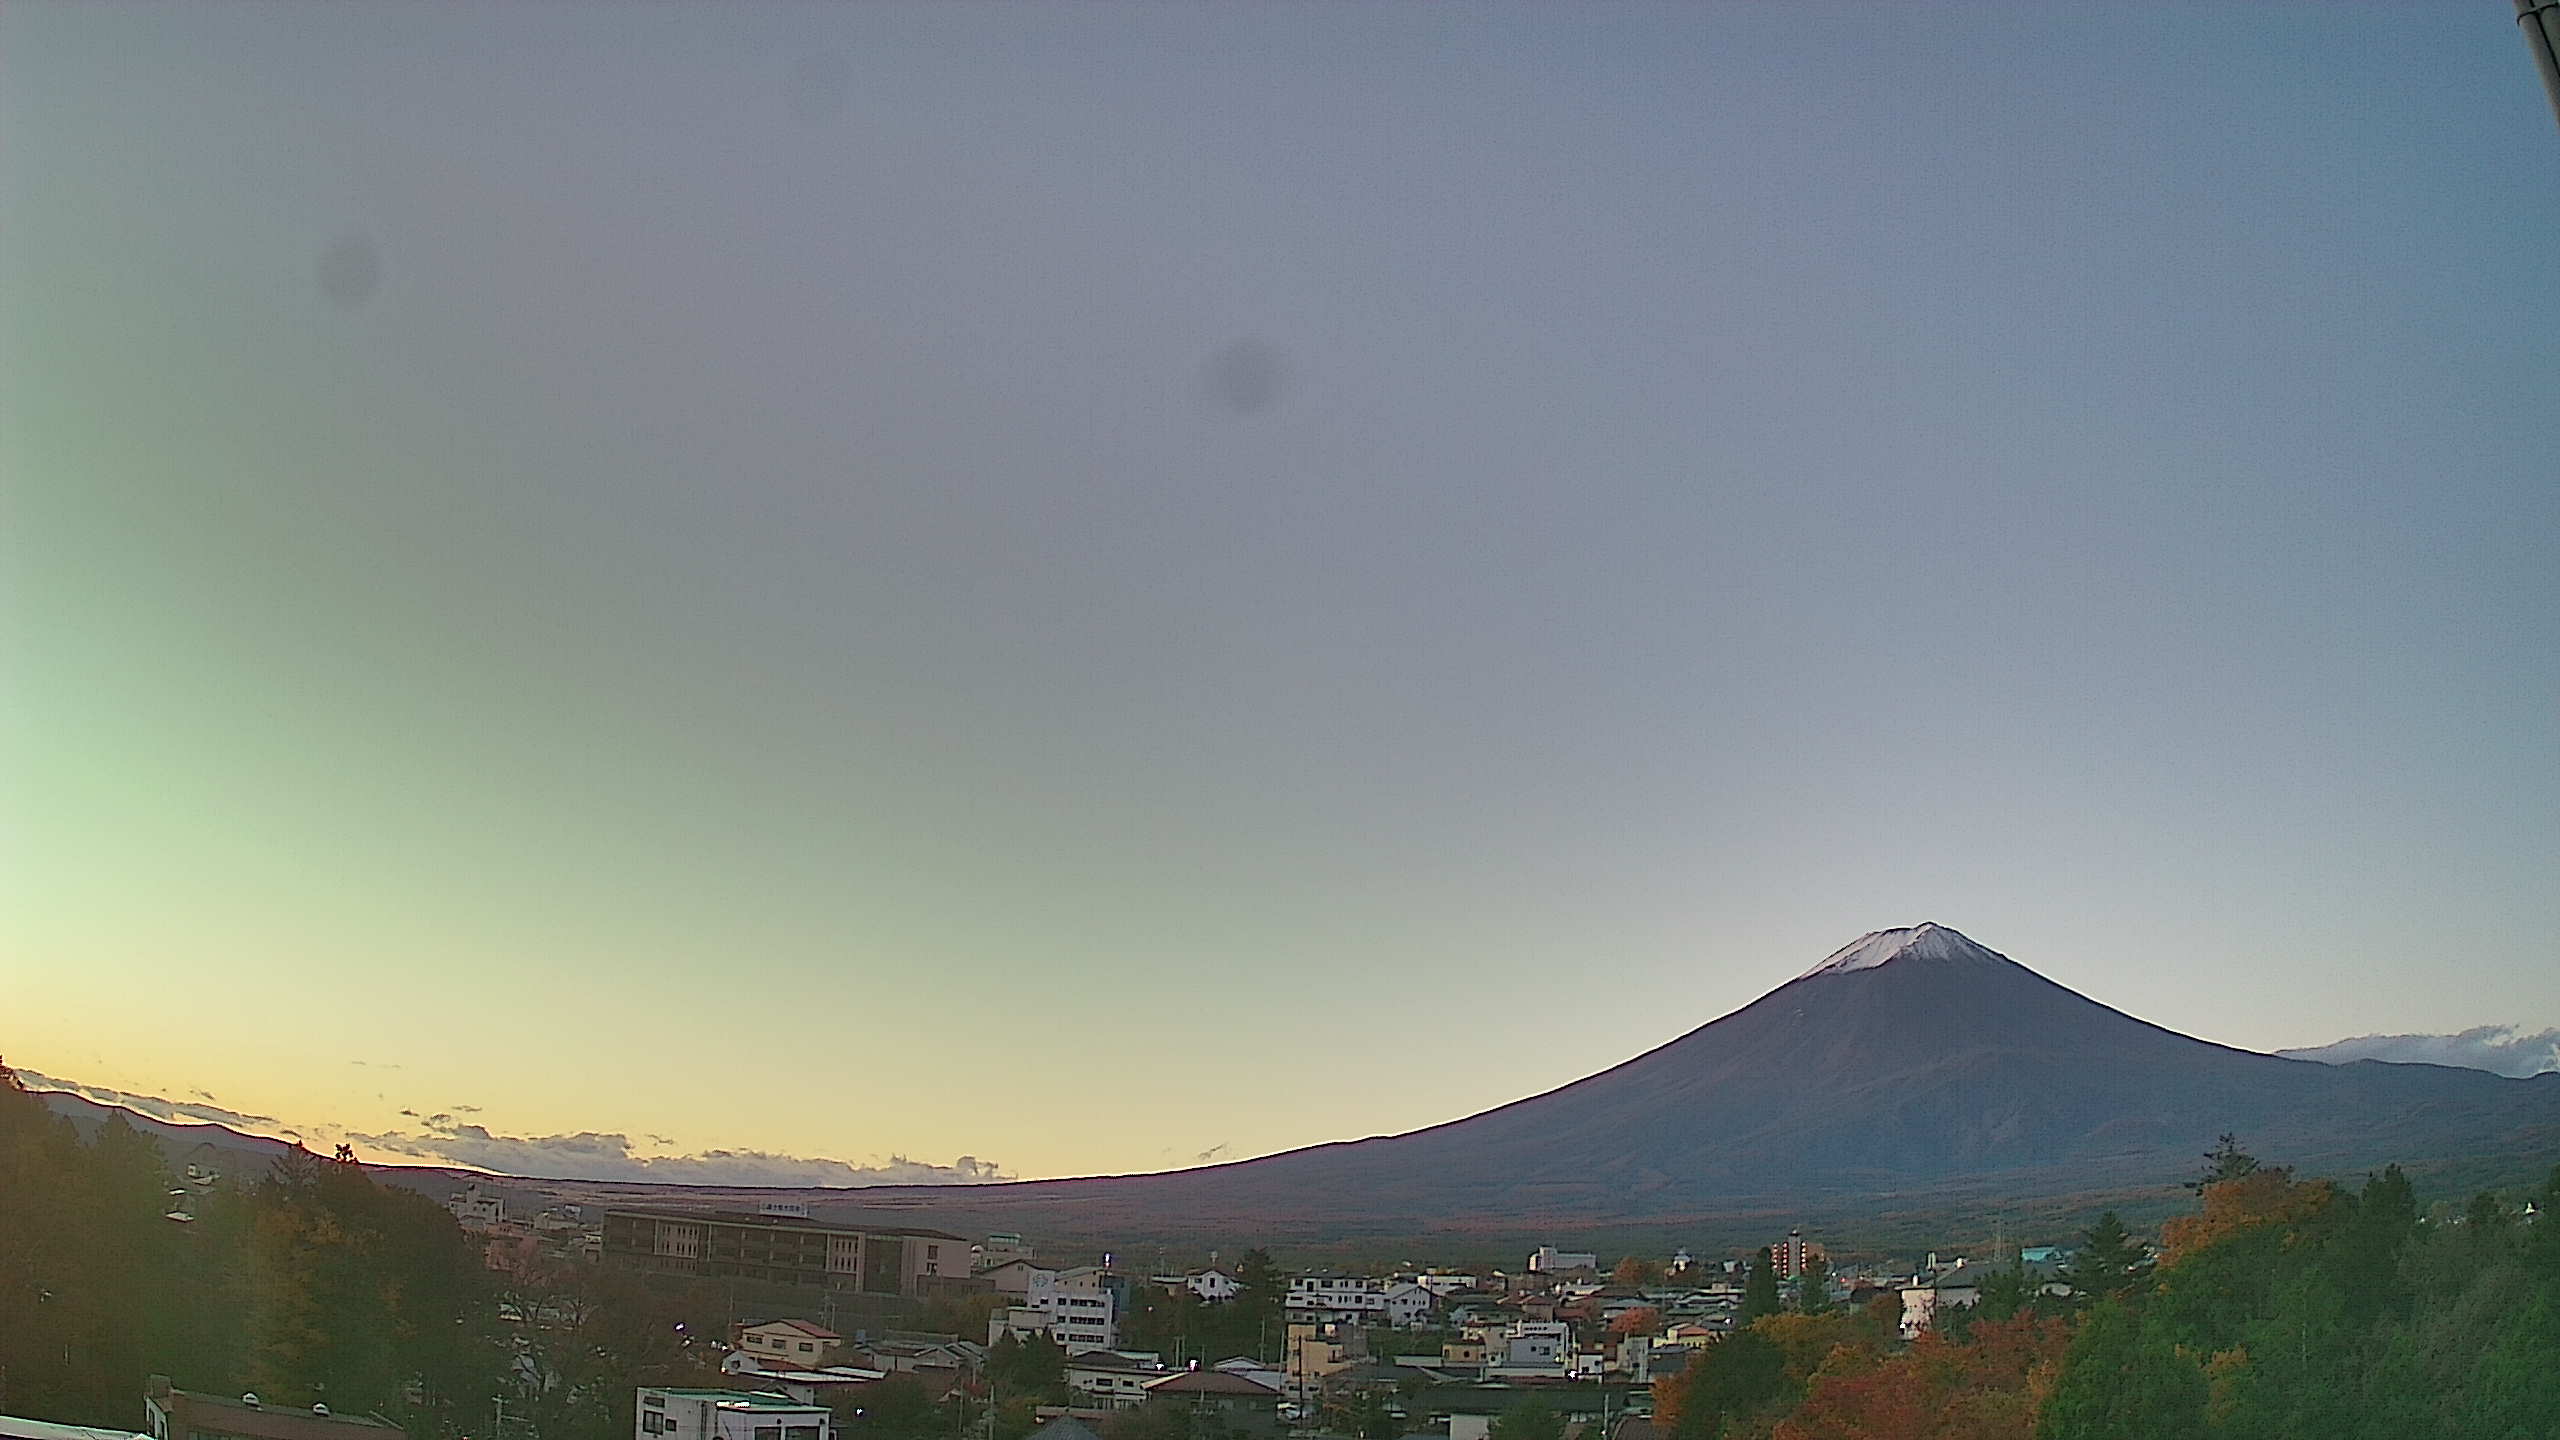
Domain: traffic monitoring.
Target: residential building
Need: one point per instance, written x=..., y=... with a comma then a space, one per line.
x=175, y=1414
x=809, y=1387
x=1315, y=1351
x=1957, y=1285
x=998, y=1249
x=1254, y=1370
x=689, y=1414
x=1547, y=1259
x=785, y=1249
x=1322, y=1299
x=1239, y=1402
x=1015, y=1277
x=1531, y=1346
x=478, y=1209
x=1020, y=1322
x=1214, y=1286
x=788, y=1344
x=1084, y=1306
x=14, y=1427
x=1444, y=1286
x=1110, y=1379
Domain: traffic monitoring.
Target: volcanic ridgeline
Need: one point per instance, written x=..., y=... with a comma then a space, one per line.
x=1912, y=1071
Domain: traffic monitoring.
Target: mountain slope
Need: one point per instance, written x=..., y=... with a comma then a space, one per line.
x=1911, y=1060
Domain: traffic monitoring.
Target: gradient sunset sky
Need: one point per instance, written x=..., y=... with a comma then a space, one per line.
x=1089, y=586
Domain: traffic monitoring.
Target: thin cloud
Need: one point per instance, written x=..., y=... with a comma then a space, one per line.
x=158, y=1107
x=598, y=1155
x=2499, y=1049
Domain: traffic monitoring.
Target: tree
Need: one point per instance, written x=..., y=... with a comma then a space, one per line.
x=1262, y=1294
x=2110, y=1261
x=1636, y=1270
x=2485, y=1213
x=1034, y=1367
x=1813, y=1287
x=1530, y=1419
x=2124, y=1381
x=1760, y=1291
x=2225, y=1161
x=1735, y=1377
x=1987, y=1387
x=1641, y=1320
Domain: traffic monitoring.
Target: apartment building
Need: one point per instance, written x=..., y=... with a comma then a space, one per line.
x=785, y=1249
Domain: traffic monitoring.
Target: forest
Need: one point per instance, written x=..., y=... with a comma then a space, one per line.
x=2280, y=1308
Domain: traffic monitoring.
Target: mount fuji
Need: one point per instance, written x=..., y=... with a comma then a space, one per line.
x=1912, y=1069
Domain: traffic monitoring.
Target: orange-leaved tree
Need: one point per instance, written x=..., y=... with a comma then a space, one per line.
x=1988, y=1386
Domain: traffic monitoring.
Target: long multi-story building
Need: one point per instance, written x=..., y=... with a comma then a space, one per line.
x=1339, y=1298
x=785, y=1249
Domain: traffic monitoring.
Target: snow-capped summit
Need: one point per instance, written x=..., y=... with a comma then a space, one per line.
x=1926, y=941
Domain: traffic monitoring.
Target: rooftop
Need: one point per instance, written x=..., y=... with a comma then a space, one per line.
x=779, y=1222
x=735, y=1399
x=16, y=1428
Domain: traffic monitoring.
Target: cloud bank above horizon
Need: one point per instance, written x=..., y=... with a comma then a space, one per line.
x=442, y=1139
x=2507, y=1050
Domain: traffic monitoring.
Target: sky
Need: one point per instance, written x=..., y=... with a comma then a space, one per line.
x=1092, y=587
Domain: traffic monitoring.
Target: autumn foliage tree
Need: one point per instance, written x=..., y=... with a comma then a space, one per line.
x=1642, y=1320
x=1989, y=1386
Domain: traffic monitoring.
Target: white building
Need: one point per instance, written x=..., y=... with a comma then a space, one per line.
x=787, y=1344
x=478, y=1209
x=1339, y=1299
x=1446, y=1285
x=1214, y=1286
x=1112, y=1380
x=727, y=1415
x=1547, y=1258
x=1540, y=1346
x=1948, y=1289
x=1082, y=1305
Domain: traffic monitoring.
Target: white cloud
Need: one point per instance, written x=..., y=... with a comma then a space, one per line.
x=2498, y=1049
x=593, y=1155
x=440, y=1138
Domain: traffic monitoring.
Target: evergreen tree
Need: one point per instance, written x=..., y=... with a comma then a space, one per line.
x=1262, y=1294
x=2110, y=1260
x=1813, y=1287
x=2225, y=1161
x=2124, y=1381
x=1760, y=1290
x=1734, y=1378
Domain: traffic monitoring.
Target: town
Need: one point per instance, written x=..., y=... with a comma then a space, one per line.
x=824, y=1335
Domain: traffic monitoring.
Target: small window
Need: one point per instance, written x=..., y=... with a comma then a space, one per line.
x=768, y=1432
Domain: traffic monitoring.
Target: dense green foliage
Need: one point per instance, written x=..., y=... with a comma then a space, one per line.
x=2282, y=1309
x=308, y=1284
x=2300, y=1309
x=313, y=1284
x=1760, y=1289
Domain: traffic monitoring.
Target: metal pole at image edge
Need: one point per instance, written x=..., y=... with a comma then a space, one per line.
x=2540, y=22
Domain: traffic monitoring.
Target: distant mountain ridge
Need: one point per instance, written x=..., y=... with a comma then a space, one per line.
x=1913, y=1068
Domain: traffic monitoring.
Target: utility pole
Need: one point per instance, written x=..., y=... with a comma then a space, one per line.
x=2540, y=22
